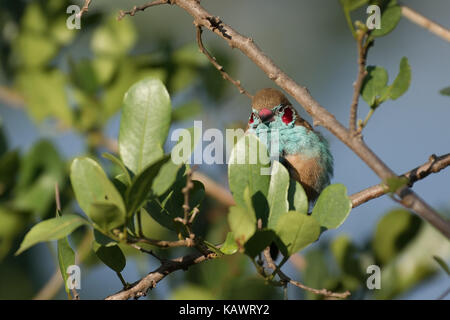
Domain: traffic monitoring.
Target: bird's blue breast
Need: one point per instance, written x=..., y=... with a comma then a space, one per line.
x=296, y=139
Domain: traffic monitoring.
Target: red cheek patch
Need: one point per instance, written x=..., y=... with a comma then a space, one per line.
x=251, y=119
x=287, y=116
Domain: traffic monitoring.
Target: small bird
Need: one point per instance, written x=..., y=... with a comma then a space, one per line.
x=303, y=151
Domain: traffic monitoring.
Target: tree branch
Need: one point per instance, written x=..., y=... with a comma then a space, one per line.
x=135, y=9
x=216, y=65
x=141, y=287
x=426, y=23
x=319, y=114
x=362, y=72
x=433, y=165
x=84, y=9
x=324, y=292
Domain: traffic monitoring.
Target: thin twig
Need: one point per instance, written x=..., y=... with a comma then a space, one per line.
x=361, y=38
x=135, y=9
x=433, y=165
x=84, y=9
x=150, y=252
x=140, y=287
x=324, y=292
x=216, y=65
x=426, y=23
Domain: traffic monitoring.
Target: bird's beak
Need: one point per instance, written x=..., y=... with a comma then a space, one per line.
x=265, y=115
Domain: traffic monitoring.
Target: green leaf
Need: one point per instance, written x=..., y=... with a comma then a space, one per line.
x=296, y=231
x=112, y=256
x=229, y=246
x=141, y=186
x=278, y=193
x=260, y=240
x=168, y=173
x=443, y=265
x=120, y=164
x=106, y=215
x=45, y=94
x=145, y=124
x=332, y=206
x=402, y=81
x=297, y=198
x=242, y=224
x=51, y=229
x=396, y=183
x=95, y=193
x=374, y=85
x=165, y=208
x=34, y=50
x=66, y=258
x=114, y=38
x=393, y=233
x=389, y=20
x=348, y=6
x=187, y=111
x=445, y=91
x=245, y=169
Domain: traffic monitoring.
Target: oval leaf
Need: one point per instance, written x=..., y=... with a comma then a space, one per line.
x=278, y=193
x=145, y=124
x=242, y=224
x=112, y=256
x=51, y=229
x=66, y=258
x=332, y=207
x=296, y=231
x=389, y=20
x=96, y=193
x=246, y=169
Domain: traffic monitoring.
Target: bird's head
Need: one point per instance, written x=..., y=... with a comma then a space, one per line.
x=268, y=104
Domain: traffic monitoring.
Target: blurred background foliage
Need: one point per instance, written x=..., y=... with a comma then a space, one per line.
x=71, y=83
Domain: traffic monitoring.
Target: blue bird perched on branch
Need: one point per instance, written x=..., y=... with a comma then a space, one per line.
x=303, y=151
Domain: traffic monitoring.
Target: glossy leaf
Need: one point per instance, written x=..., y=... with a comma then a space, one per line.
x=402, y=81
x=51, y=229
x=96, y=193
x=242, y=224
x=278, y=193
x=296, y=231
x=245, y=169
x=260, y=240
x=374, y=85
x=120, y=164
x=66, y=258
x=141, y=186
x=106, y=215
x=145, y=124
x=229, y=246
x=297, y=198
x=332, y=206
x=389, y=20
x=112, y=256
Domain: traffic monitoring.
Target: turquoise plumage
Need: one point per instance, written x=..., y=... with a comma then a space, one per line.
x=304, y=151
